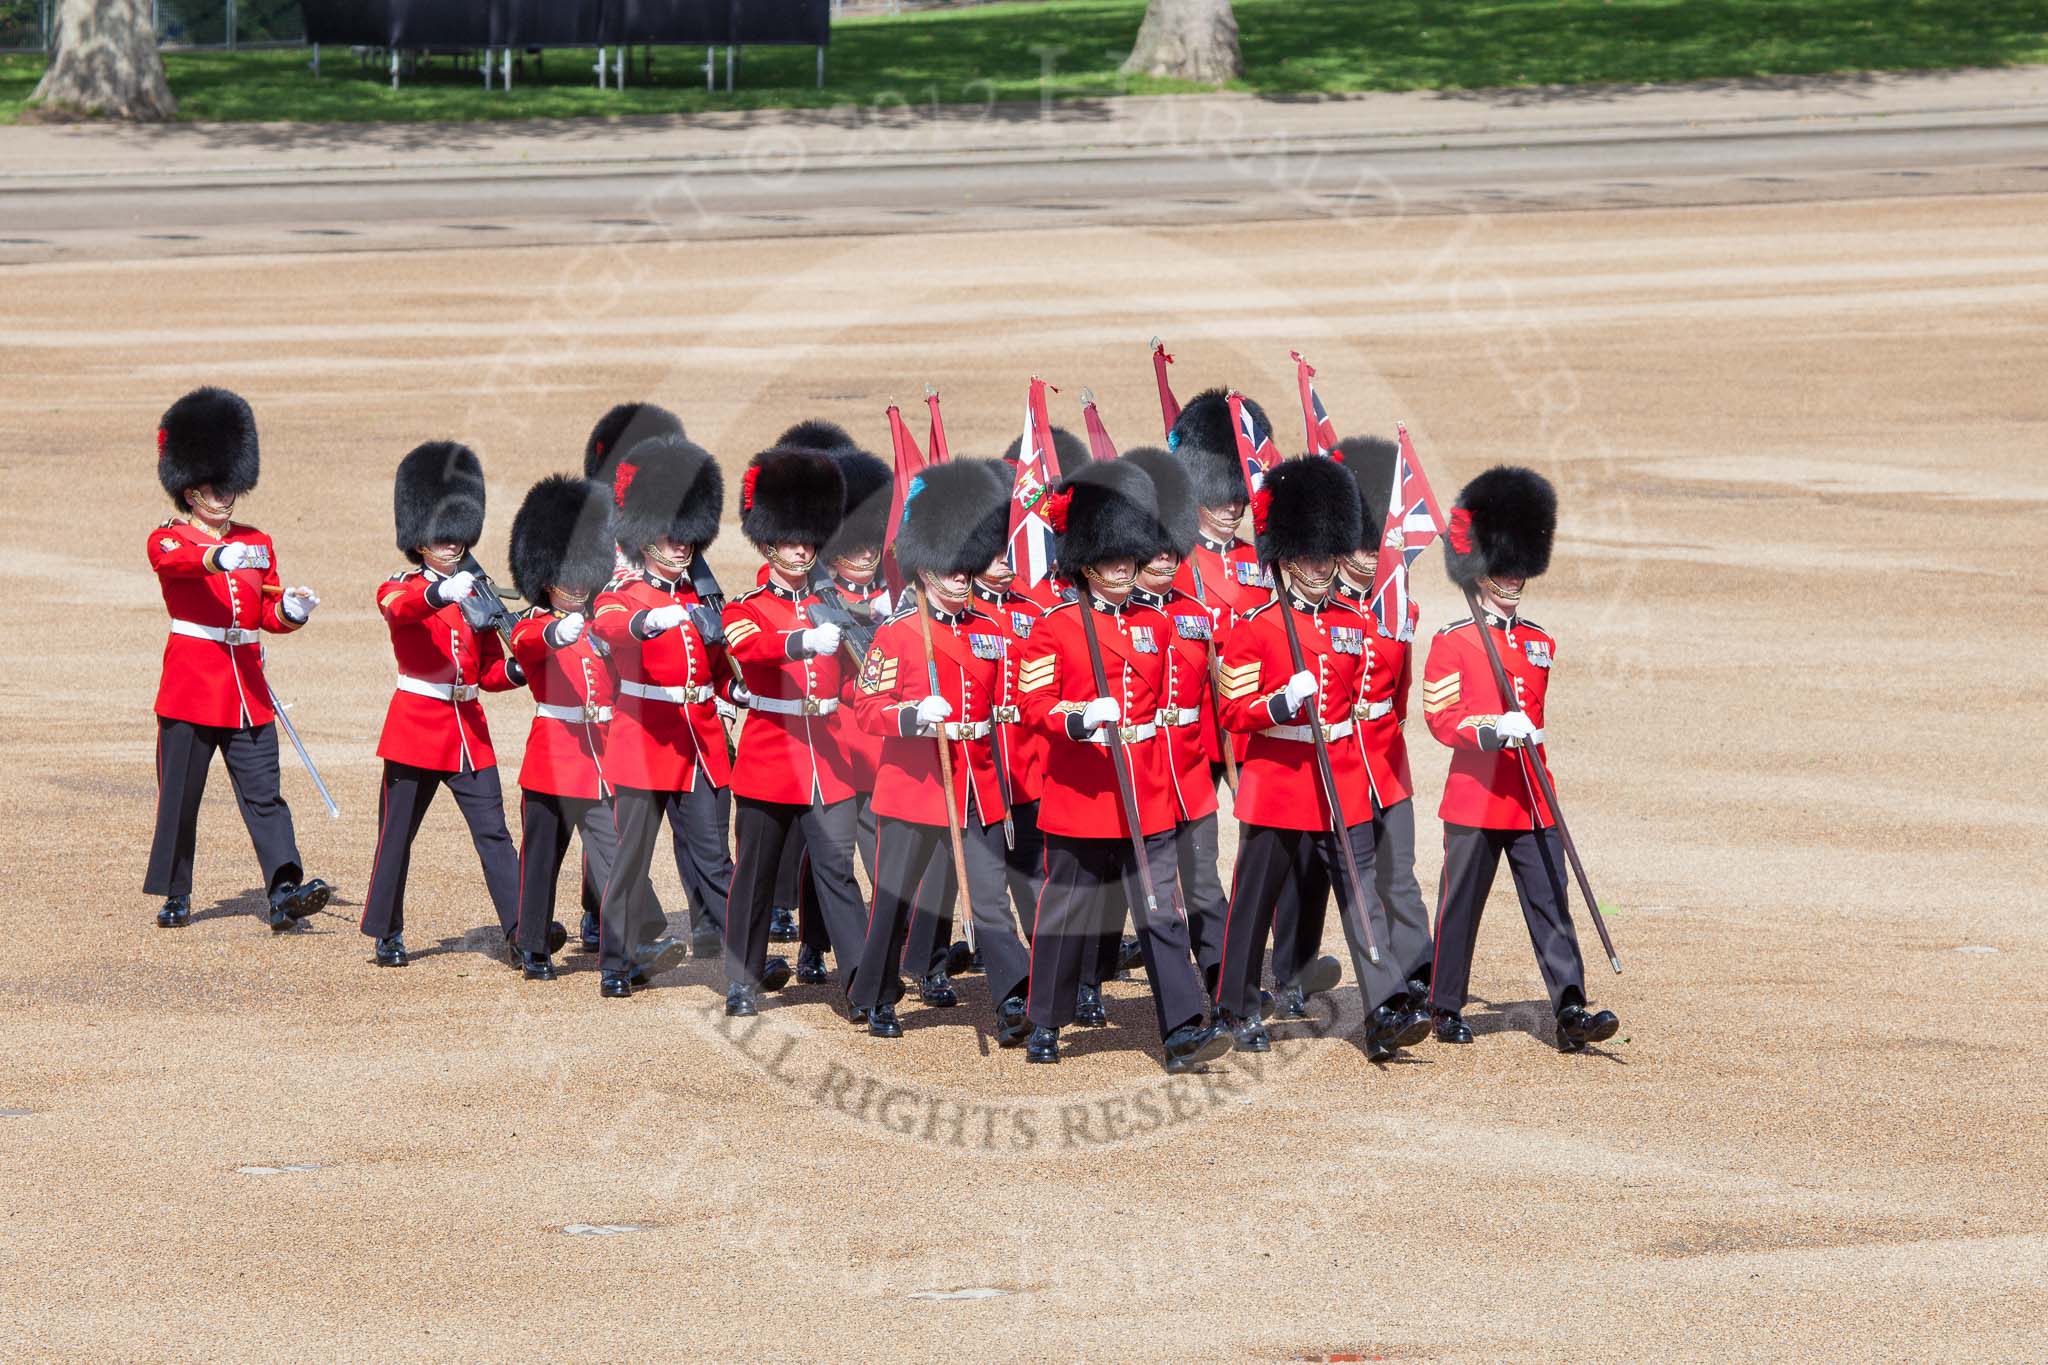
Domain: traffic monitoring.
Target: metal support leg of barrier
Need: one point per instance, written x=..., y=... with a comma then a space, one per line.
x=486, y=65
x=600, y=68
x=394, y=68
x=821, y=66
x=624, y=54
x=231, y=25
x=710, y=68
x=316, y=59
x=728, y=68
x=505, y=68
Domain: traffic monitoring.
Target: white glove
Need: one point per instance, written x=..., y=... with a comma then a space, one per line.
x=1100, y=712
x=569, y=630
x=1299, y=689
x=236, y=556
x=298, y=605
x=659, y=619
x=1516, y=730
x=933, y=710
x=455, y=587
x=822, y=640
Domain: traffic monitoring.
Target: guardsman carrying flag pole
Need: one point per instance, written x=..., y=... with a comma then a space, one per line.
x=1494, y=802
x=955, y=520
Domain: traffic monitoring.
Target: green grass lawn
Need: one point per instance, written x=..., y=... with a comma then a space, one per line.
x=1290, y=47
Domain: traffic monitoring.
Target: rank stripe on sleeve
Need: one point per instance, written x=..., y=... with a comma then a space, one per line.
x=740, y=631
x=1033, y=674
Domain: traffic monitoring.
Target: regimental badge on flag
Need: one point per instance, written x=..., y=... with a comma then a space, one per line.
x=1142, y=641
x=1030, y=537
x=1413, y=521
x=1020, y=622
x=1255, y=451
x=1192, y=627
x=986, y=646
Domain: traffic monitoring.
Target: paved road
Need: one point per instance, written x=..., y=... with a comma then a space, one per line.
x=232, y=190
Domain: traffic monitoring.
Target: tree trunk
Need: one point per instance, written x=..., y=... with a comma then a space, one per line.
x=1192, y=40
x=104, y=64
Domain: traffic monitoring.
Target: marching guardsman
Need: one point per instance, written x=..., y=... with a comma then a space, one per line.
x=1187, y=712
x=790, y=777
x=955, y=520
x=852, y=565
x=435, y=733
x=1499, y=538
x=1380, y=715
x=1107, y=520
x=666, y=751
x=704, y=865
x=1306, y=516
x=220, y=584
x=562, y=553
x=1222, y=572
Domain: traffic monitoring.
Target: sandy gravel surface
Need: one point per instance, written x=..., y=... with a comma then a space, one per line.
x=1799, y=450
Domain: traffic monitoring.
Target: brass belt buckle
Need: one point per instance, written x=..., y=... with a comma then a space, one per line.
x=811, y=706
x=1127, y=733
x=1006, y=715
x=590, y=713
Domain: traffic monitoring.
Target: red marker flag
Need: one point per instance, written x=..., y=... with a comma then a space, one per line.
x=940, y=451
x=1169, y=406
x=1030, y=535
x=1100, y=447
x=1322, y=432
x=1413, y=520
x=909, y=462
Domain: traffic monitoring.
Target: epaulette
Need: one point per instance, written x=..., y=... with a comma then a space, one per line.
x=617, y=581
x=167, y=523
x=752, y=592
x=1462, y=621
x=404, y=574
x=903, y=613
x=1057, y=606
x=1524, y=623
x=1248, y=615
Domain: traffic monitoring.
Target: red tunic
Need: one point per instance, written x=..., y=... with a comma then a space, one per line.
x=1488, y=789
x=863, y=750
x=1185, y=707
x=438, y=649
x=1227, y=580
x=1057, y=682
x=661, y=743
x=788, y=751
x=971, y=649
x=1023, y=746
x=208, y=681
x=1381, y=707
x=565, y=754
x=1278, y=785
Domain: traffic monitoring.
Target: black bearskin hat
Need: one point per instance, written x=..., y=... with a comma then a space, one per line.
x=1501, y=527
x=1069, y=452
x=562, y=537
x=1370, y=461
x=1204, y=439
x=208, y=436
x=1105, y=510
x=791, y=494
x=438, y=495
x=1308, y=509
x=815, y=433
x=667, y=486
x=619, y=430
x=870, y=490
x=956, y=519
x=1178, y=523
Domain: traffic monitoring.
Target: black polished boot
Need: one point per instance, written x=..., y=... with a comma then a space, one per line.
x=882, y=1023
x=1452, y=1028
x=558, y=936
x=293, y=901
x=391, y=951
x=537, y=966
x=1193, y=1046
x=1043, y=1045
x=615, y=985
x=1319, y=976
x=937, y=990
x=586, y=933
x=959, y=958
x=1088, y=1011
x=1129, y=957
x=1247, y=1035
x=781, y=925
x=1293, y=1003
x=1578, y=1026
x=740, y=1002
x=810, y=966
x=1012, y=1028
x=176, y=914
x=705, y=939
x=774, y=973
x=656, y=956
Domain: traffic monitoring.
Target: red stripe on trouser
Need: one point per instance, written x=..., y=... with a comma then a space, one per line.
x=383, y=816
x=1443, y=885
x=1223, y=956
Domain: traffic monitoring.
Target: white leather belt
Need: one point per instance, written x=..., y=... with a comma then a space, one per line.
x=957, y=730
x=1306, y=734
x=226, y=635
x=1174, y=716
x=575, y=715
x=440, y=691
x=681, y=696
x=1372, y=710
x=795, y=706
x=1131, y=734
